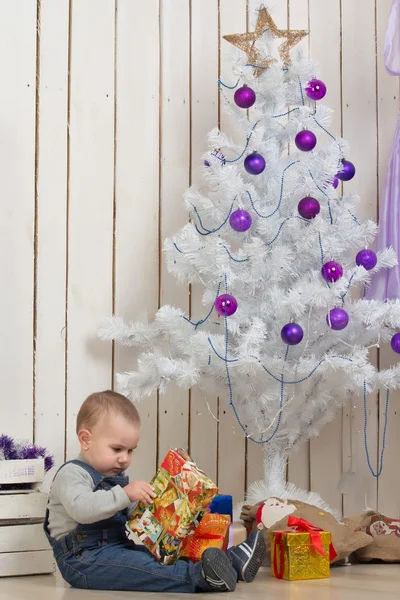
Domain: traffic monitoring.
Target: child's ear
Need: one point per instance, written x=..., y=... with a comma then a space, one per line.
x=84, y=436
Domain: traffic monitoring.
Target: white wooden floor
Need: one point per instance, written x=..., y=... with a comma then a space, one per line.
x=359, y=582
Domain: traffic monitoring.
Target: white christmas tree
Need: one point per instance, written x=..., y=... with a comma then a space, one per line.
x=284, y=263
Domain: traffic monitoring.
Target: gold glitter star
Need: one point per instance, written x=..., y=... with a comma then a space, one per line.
x=246, y=41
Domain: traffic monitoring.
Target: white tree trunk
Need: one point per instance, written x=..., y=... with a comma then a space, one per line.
x=275, y=461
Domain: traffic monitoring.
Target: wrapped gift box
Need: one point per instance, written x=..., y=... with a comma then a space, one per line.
x=222, y=505
x=304, y=552
x=212, y=532
x=184, y=493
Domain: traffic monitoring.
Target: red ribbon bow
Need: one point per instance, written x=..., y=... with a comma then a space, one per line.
x=301, y=526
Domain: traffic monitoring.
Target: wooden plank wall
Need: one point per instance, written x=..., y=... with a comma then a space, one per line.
x=105, y=111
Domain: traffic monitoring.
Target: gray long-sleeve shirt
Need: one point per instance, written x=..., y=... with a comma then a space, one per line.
x=72, y=501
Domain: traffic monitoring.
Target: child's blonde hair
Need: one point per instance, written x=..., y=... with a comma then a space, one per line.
x=101, y=403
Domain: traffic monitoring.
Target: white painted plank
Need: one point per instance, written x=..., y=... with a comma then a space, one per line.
x=204, y=116
x=51, y=229
x=26, y=563
x=325, y=27
x=23, y=506
x=254, y=463
x=174, y=160
x=231, y=451
x=136, y=194
x=91, y=164
x=388, y=482
x=17, y=207
x=254, y=454
x=359, y=129
x=299, y=461
x=388, y=111
x=298, y=471
x=22, y=538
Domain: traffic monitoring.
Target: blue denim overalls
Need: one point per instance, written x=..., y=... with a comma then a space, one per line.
x=99, y=556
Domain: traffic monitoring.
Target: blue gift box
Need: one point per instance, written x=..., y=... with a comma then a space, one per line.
x=222, y=505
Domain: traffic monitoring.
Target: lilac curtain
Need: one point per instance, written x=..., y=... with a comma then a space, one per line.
x=392, y=41
x=386, y=283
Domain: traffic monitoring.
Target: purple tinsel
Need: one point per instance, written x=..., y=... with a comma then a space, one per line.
x=38, y=452
x=7, y=448
x=10, y=450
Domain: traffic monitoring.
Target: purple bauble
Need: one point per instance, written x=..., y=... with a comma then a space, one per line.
x=337, y=319
x=226, y=305
x=254, y=163
x=292, y=334
x=245, y=97
x=305, y=140
x=240, y=220
x=335, y=182
x=367, y=259
x=308, y=207
x=395, y=343
x=316, y=89
x=332, y=271
x=348, y=171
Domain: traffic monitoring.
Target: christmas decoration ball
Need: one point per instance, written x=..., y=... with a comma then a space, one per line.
x=332, y=271
x=316, y=89
x=244, y=97
x=308, y=207
x=292, y=334
x=395, y=343
x=337, y=319
x=348, y=171
x=305, y=140
x=254, y=163
x=240, y=220
x=335, y=182
x=367, y=259
x=226, y=305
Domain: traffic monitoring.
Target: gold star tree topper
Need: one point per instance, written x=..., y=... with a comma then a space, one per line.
x=246, y=41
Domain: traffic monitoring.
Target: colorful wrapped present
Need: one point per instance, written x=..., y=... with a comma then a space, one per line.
x=212, y=532
x=184, y=493
x=304, y=552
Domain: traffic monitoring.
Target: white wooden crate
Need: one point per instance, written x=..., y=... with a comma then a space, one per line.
x=23, y=538
x=17, y=508
x=26, y=563
x=21, y=471
x=24, y=549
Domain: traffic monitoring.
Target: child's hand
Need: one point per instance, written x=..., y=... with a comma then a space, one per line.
x=140, y=491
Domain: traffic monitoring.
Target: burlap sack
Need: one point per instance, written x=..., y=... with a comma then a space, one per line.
x=344, y=538
x=385, y=533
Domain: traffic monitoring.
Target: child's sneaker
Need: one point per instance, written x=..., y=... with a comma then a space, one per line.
x=217, y=570
x=247, y=557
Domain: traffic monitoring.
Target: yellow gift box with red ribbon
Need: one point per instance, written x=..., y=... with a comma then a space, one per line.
x=304, y=552
x=211, y=532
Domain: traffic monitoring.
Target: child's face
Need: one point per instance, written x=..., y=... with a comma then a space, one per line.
x=108, y=446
